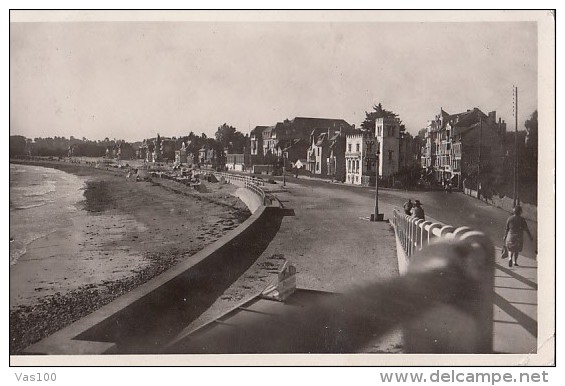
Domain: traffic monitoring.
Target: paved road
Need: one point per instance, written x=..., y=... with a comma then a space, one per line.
x=455, y=209
x=332, y=245
x=334, y=248
x=516, y=307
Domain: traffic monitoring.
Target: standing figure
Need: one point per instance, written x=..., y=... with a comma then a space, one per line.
x=408, y=207
x=418, y=210
x=514, y=235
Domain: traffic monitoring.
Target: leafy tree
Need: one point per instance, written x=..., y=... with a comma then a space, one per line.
x=532, y=135
x=234, y=141
x=371, y=117
x=17, y=145
x=225, y=135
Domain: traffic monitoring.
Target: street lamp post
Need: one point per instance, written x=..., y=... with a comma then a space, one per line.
x=284, y=168
x=377, y=216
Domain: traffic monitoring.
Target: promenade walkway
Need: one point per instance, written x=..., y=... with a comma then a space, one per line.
x=334, y=248
x=331, y=243
x=516, y=306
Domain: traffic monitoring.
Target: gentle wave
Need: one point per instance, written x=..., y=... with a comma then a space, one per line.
x=16, y=253
x=24, y=207
x=18, y=248
x=41, y=202
x=39, y=190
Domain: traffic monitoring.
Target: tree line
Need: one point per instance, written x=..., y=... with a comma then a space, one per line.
x=227, y=138
x=58, y=146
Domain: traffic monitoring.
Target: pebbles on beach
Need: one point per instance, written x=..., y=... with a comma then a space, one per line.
x=163, y=222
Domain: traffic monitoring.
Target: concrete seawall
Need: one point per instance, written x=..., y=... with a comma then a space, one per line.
x=145, y=319
x=250, y=199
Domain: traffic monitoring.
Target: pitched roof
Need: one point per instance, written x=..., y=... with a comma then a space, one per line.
x=335, y=136
x=465, y=119
x=258, y=130
x=302, y=127
x=320, y=122
x=321, y=139
x=317, y=131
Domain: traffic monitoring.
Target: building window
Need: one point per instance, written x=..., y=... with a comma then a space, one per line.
x=357, y=148
x=317, y=166
x=318, y=151
x=349, y=147
x=390, y=155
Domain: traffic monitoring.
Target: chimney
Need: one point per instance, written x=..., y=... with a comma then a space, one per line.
x=492, y=117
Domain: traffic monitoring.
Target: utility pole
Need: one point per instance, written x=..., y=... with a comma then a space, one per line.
x=479, y=166
x=516, y=200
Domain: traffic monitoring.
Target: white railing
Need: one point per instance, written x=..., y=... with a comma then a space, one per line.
x=237, y=177
x=458, y=321
x=414, y=234
x=256, y=189
x=249, y=182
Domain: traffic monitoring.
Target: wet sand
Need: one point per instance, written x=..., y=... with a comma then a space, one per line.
x=133, y=231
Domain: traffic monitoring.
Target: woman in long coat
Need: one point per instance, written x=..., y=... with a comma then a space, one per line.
x=514, y=236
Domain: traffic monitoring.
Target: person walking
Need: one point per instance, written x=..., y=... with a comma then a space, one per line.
x=514, y=234
x=418, y=210
x=408, y=207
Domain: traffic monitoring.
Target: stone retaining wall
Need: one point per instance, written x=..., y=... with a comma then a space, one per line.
x=529, y=211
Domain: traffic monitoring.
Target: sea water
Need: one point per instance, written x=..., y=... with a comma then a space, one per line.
x=42, y=201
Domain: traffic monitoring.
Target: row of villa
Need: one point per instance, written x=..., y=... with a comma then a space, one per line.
x=449, y=148
x=334, y=148
x=457, y=145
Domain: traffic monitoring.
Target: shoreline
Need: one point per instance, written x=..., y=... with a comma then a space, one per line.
x=140, y=229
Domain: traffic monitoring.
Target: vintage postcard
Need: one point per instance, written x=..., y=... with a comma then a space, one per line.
x=186, y=185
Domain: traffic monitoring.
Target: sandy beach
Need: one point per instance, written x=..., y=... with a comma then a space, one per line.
x=132, y=232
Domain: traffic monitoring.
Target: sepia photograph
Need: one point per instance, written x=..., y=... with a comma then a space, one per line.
x=365, y=184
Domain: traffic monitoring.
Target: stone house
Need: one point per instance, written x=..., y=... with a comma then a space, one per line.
x=454, y=143
x=276, y=138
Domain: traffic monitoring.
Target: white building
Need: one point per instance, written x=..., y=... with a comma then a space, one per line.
x=360, y=158
x=387, y=131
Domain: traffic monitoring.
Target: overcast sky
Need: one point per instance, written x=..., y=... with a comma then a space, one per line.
x=132, y=80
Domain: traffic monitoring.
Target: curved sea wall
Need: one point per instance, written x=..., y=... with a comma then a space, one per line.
x=249, y=198
x=148, y=317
